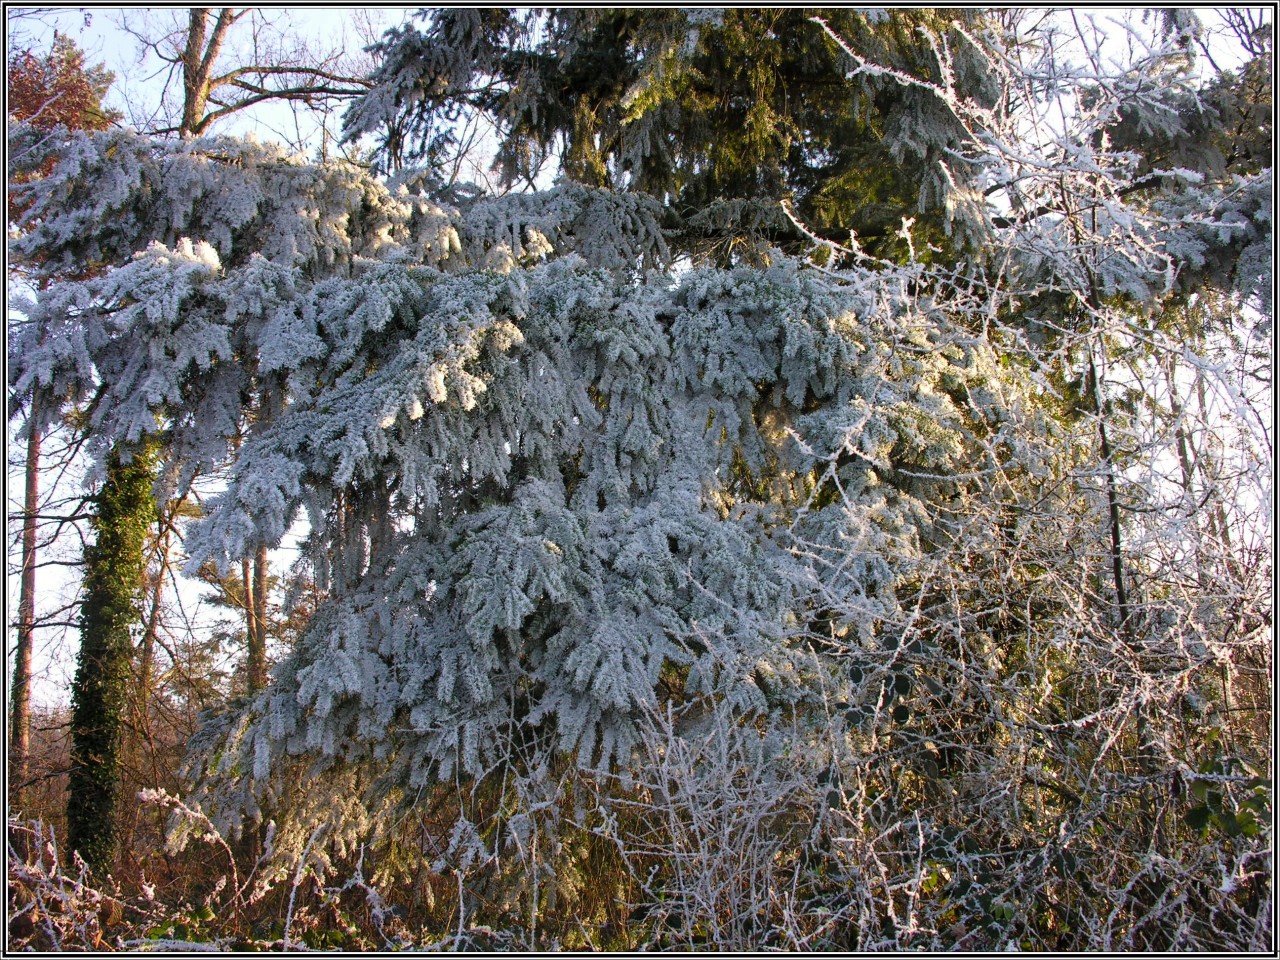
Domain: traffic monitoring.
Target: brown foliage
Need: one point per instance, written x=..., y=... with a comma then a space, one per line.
x=56, y=89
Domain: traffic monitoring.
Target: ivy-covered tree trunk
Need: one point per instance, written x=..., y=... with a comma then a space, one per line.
x=114, y=567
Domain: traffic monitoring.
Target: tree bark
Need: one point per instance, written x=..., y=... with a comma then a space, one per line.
x=256, y=617
x=1113, y=511
x=20, y=702
x=148, y=645
x=198, y=58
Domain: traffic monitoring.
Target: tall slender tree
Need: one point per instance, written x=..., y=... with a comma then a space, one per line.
x=228, y=60
x=57, y=89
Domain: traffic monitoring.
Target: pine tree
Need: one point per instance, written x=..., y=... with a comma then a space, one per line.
x=58, y=89
x=56, y=95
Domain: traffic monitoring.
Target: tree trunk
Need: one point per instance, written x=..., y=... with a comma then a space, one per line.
x=270, y=400
x=1113, y=512
x=198, y=59
x=20, y=702
x=148, y=646
x=256, y=615
x=114, y=567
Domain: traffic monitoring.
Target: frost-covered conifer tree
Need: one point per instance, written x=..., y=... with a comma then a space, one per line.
x=540, y=493
x=137, y=369
x=720, y=113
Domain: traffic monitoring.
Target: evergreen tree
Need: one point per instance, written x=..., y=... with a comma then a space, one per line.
x=720, y=114
x=56, y=95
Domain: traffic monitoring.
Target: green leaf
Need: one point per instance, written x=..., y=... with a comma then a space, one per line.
x=1257, y=802
x=1230, y=825
x=1247, y=821
x=1066, y=864
x=1198, y=818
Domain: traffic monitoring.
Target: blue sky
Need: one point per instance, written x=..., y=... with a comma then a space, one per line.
x=140, y=75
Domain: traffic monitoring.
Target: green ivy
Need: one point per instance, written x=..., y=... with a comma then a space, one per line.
x=125, y=511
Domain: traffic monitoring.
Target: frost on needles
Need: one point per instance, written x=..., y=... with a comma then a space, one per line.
x=542, y=481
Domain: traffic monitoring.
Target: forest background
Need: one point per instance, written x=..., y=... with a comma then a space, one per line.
x=772, y=479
